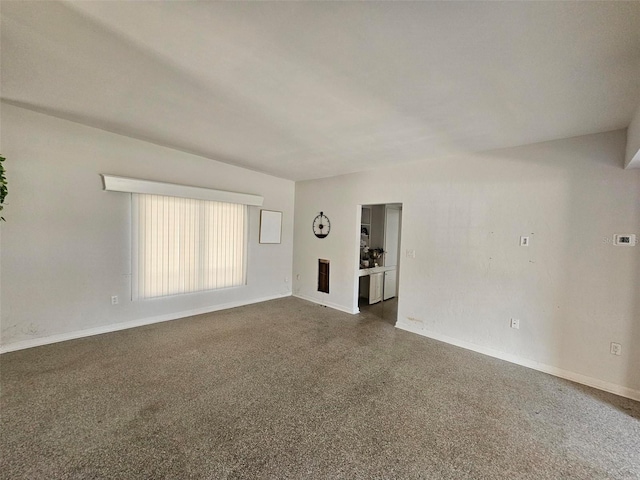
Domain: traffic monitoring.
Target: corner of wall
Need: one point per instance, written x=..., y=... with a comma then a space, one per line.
x=632, y=159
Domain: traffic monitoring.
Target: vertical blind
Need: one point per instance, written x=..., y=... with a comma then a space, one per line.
x=183, y=245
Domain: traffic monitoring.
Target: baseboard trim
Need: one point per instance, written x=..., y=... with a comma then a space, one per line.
x=114, y=327
x=551, y=370
x=328, y=304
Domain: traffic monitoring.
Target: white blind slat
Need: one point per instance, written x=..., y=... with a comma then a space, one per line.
x=186, y=245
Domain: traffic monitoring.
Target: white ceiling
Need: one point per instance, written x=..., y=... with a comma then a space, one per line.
x=309, y=90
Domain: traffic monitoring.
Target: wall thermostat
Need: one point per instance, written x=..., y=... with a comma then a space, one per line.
x=625, y=240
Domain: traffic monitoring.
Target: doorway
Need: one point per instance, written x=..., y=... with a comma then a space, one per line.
x=379, y=260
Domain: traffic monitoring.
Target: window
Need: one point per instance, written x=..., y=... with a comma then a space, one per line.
x=183, y=245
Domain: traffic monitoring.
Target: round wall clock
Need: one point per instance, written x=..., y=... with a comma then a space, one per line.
x=321, y=225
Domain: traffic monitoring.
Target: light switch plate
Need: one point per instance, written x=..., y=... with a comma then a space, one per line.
x=524, y=241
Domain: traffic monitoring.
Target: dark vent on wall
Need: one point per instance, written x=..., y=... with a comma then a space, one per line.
x=323, y=275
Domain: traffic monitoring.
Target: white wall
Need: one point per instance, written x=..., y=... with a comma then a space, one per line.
x=633, y=142
x=66, y=244
x=572, y=290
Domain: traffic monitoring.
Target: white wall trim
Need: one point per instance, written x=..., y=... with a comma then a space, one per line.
x=633, y=141
x=113, y=183
x=634, y=162
x=555, y=371
x=114, y=327
x=328, y=304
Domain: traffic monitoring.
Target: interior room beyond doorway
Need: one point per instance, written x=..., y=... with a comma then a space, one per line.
x=379, y=260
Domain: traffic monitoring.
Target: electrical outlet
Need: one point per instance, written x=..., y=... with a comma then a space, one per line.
x=524, y=241
x=624, y=240
x=515, y=323
x=616, y=348
x=114, y=300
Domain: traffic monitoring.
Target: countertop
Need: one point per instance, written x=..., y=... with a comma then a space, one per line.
x=368, y=271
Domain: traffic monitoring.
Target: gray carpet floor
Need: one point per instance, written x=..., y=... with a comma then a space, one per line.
x=289, y=389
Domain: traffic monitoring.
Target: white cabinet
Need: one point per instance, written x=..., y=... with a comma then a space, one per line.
x=372, y=281
x=390, y=284
x=376, y=281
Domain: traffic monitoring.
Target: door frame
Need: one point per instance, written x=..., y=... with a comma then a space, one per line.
x=358, y=223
